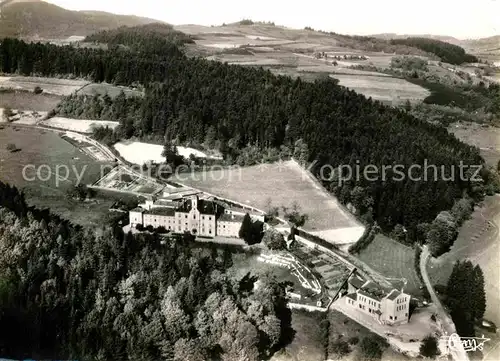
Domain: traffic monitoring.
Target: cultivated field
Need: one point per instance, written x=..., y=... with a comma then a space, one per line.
x=78, y=125
x=24, y=100
x=49, y=85
x=140, y=153
x=393, y=260
x=387, y=89
x=121, y=179
x=282, y=183
x=111, y=90
x=486, y=138
x=292, y=52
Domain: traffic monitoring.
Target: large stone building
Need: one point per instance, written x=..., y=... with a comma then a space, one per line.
x=387, y=306
x=200, y=217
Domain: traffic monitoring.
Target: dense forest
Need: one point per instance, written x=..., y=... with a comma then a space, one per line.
x=447, y=52
x=158, y=35
x=191, y=99
x=74, y=293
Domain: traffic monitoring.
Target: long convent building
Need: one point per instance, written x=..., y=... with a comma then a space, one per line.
x=200, y=217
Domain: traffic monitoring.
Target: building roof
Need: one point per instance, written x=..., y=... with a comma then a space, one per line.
x=138, y=209
x=231, y=218
x=356, y=282
x=370, y=295
x=162, y=212
x=393, y=295
x=353, y=296
x=204, y=206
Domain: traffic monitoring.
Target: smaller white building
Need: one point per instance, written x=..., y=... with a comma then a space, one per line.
x=390, y=307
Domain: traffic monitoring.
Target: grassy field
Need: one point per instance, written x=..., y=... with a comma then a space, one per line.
x=393, y=260
x=44, y=151
x=282, y=183
x=486, y=138
x=387, y=89
x=23, y=100
x=49, y=85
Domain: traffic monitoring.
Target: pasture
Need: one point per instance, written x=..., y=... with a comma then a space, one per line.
x=48, y=85
x=282, y=183
x=78, y=125
x=387, y=89
x=41, y=152
x=486, y=138
x=24, y=100
x=393, y=260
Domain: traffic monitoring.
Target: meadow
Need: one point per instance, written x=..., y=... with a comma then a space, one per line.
x=393, y=260
x=282, y=183
x=24, y=100
x=387, y=89
x=43, y=151
x=52, y=86
x=486, y=138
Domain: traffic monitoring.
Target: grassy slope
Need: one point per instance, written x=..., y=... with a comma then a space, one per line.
x=393, y=260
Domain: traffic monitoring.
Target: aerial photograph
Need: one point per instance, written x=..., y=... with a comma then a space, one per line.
x=191, y=180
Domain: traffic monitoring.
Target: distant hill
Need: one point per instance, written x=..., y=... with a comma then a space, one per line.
x=36, y=18
x=445, y=38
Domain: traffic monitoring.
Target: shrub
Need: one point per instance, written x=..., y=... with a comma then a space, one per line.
x=11, y=147
x=38, y=90
x=354, y=340
x=429, y=347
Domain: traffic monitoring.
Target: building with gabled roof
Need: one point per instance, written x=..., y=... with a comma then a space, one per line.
x=200, y=217
x=386, y=305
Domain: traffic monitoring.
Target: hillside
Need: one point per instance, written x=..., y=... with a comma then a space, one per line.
x=44, y=20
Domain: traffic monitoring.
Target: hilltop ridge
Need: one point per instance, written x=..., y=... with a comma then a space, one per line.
x=39, y=19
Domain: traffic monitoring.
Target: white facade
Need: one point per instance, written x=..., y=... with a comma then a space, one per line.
x=391, y=307
x=192, y=216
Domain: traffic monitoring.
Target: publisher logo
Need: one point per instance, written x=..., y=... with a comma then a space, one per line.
x=469, y=344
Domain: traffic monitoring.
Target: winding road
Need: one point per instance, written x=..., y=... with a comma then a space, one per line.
x=458, y=353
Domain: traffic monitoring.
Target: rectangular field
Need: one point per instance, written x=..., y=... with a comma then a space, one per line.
x=78, y=125
x=49, y=85
x=393, y=260
x=38, y=156
x=383, y=88
x=23, y=100
x=283, y=183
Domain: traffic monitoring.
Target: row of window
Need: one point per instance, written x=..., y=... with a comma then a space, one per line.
x=401, y=300
x=400, y=308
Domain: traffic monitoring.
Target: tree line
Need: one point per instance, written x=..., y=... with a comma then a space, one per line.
x=98, y=294
x=447, y=52
x=192, y=99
